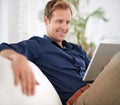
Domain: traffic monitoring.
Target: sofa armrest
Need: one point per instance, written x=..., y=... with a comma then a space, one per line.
x=12, y=95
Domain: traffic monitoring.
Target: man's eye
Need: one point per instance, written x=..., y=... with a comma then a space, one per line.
x=59, y=21
x=67, y=22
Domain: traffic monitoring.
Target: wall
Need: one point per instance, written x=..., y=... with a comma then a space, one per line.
x=99, y=30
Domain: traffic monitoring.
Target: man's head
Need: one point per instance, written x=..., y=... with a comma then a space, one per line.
x=57, y=16
x=52, y=5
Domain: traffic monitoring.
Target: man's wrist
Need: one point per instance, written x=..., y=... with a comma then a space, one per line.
x=9, y=54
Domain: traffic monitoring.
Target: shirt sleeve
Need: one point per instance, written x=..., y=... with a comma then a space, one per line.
x=26, y=47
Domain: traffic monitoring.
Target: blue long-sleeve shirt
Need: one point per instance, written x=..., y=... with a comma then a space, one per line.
x=64, y=67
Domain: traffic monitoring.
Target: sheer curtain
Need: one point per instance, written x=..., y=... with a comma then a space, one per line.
x=3, y=20
x=29, y=22
x=19, y=19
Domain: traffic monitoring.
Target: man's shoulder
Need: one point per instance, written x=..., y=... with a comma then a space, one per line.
x=37, y=39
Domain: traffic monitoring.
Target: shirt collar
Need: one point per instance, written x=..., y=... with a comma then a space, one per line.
x=65, y=43
x=47, y=38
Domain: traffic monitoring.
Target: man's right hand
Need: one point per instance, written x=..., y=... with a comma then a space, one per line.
x=22, y=71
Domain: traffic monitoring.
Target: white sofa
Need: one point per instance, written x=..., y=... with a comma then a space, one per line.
x=12, y=95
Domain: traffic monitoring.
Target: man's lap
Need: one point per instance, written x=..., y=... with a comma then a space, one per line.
x=105, y=90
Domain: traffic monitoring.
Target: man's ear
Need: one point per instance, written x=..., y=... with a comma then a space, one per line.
x=46, y=20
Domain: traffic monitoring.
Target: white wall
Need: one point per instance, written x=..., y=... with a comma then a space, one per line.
x=108, y=31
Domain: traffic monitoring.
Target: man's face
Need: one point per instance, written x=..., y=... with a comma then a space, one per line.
x=57, y=27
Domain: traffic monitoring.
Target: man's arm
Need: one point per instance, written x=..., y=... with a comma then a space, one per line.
x=21, y=70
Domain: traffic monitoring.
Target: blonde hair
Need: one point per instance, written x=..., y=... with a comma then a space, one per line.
x=52, y=5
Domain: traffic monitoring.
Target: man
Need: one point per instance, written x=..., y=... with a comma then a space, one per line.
x=62, y=62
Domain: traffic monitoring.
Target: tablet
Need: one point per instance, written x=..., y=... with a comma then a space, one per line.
x=101, y=56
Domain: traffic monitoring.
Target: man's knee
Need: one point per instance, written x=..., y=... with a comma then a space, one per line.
x=117, y=54
x=116, y=59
